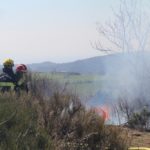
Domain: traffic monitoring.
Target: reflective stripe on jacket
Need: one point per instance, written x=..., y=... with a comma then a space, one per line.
x=7, y=84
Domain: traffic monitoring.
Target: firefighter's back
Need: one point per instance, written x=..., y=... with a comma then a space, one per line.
x=6, y=82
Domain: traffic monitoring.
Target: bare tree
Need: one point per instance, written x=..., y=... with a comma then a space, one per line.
x=128, y=32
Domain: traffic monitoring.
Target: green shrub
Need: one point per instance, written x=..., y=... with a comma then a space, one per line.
x=140, y=120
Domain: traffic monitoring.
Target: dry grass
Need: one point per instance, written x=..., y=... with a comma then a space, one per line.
x=50, y=117
x=139, y=139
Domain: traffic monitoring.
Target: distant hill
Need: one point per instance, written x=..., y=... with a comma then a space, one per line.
x=42, y=67
x=100, y=64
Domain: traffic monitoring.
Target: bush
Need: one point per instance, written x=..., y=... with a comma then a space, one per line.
x=136, y=113
x=51, y=117
x=140, y=120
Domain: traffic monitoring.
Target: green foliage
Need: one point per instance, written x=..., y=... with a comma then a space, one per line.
x=140, y=120
x=18, y=123
x=82, y=84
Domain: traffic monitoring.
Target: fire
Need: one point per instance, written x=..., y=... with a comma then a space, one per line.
x=103, y=111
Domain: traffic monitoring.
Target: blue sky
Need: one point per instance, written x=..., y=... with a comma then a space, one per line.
x=51, y=30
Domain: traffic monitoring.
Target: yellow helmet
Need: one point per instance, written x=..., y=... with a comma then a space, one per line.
x=8, y=62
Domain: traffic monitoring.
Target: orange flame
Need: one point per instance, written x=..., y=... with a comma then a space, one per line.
x=103, y=111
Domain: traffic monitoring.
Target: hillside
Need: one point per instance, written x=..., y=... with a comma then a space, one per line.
x=91, y=65
x=97, y=64
x=100, y=64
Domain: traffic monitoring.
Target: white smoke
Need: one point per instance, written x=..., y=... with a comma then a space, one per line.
x=128, y=77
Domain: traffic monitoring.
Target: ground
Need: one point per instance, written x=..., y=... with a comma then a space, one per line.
x=139, y=139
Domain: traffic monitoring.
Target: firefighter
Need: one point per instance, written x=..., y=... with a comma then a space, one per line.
x=8, y=69
x=21, y=77
x=7, y=78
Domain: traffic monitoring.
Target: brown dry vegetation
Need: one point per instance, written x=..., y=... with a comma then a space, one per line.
x=50, y=117
x=139, y=139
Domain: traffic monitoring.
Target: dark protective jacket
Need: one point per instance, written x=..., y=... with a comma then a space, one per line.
x=6, y=83
x=10, y=73
x=22, y=81
x=10, y=81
